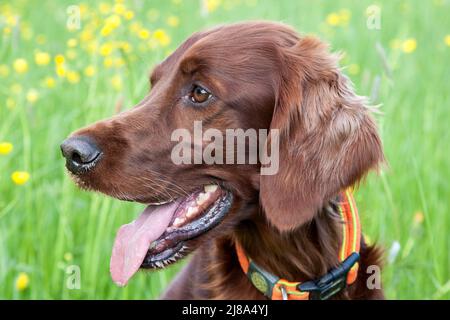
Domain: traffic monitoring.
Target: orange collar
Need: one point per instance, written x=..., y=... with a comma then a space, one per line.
x=334, y=281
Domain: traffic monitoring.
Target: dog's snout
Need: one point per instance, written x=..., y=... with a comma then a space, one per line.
x=81, y=154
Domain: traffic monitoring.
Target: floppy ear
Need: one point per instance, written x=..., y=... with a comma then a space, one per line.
x=327, y=137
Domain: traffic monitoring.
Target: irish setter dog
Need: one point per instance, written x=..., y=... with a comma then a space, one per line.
x=252, y=75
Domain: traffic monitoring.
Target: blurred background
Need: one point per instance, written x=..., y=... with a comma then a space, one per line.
x=65, y=64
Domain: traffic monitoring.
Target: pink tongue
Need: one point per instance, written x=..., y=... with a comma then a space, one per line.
x=133, y=240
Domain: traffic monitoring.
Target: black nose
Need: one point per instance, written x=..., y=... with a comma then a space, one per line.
x=81, y=154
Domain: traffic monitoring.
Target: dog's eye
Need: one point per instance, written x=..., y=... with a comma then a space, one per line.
x=199, y=94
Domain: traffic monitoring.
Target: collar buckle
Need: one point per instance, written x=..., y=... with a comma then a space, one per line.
x=332, y=282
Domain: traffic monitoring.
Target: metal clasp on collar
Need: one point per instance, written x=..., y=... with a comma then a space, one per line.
x=284, y=294
x=331, y=283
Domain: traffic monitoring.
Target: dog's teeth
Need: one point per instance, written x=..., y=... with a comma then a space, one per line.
x=178, y=222
x=210, y=188
x=202, y=198
x=191, y=212
x=159, y=203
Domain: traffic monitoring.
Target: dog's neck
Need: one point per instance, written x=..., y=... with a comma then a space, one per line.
x=300, y=255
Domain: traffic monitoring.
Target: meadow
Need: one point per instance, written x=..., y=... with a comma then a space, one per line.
x=59, y=73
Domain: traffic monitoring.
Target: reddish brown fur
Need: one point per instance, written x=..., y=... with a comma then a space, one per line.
x=263, y=75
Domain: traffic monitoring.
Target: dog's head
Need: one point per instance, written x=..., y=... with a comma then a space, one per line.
x=185, y=149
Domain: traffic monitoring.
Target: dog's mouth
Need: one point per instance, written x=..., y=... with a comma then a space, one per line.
x=157, y=237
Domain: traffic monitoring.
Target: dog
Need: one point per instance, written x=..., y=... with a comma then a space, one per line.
x=252, y=236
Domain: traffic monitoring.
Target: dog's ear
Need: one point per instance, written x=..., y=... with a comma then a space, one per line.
x=327, y=137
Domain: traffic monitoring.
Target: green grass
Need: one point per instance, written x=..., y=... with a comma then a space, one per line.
x=47, y=224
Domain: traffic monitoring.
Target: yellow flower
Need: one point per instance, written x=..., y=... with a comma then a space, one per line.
x=353, y=69
x=68, y=256
x=409, y=45
x=418, y=217
x=106, y=30
x=20, y=65
x=7, y=31
x=86, y=35
x=114, y=20
x=32, y=95
x=125, y=46
x=42, y=58
x=49, y=82
x=173, y=21
x=344, y=16
x=447, y=40
x=144, y=33
x=119, y=8
x=162, y=37
x=211, y=5
x=5, y=148
x=111, y=23
x=89, y=71
x=72, y=43
x=11, y=21
x=22, y=281
x=83, y=9
x=4, y=70
x=10, y=103
x=108, y=62
x=333, y=19
x=104, y=8
x=106, y=49
x=59, y=59
x=20, y=177
x=73, y=77
x=61, y=70
x=116, y=82
x=129, y=15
